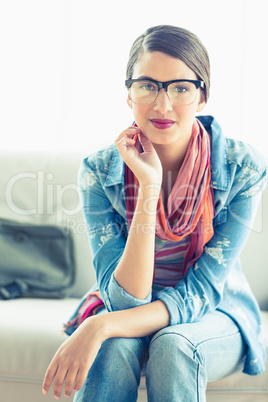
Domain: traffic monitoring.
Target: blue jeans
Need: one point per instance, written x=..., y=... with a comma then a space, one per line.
x=179, y=362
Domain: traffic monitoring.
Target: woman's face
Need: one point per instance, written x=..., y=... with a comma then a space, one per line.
x=161, y=67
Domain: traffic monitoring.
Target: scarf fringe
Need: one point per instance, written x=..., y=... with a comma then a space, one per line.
x=90, y=307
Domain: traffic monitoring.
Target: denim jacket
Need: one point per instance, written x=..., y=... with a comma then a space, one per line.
x=215, y=281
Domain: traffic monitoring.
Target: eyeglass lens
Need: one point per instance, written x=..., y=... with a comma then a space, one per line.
x=145, y=92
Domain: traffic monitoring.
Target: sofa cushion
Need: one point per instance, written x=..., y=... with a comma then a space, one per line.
x=30, y=336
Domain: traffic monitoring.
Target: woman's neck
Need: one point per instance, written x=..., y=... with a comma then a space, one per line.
x=171, y=157
x=171, y=160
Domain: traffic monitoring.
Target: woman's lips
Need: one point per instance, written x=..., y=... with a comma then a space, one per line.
x=162, y=124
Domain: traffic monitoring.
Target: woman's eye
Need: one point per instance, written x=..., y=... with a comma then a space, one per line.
x=181, y=89
x=147, y=86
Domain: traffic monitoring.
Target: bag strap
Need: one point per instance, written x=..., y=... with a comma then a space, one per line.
x=13, y=290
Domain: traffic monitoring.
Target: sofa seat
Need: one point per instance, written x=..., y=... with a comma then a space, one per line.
x=28, y=340
x=32, y=334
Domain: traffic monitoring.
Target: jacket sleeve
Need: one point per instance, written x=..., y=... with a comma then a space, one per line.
x=202, y=289
x=107, y=233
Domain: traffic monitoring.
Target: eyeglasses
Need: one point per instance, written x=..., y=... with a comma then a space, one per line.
x=181, y=92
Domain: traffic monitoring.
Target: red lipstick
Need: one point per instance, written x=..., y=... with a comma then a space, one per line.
x=162, y=124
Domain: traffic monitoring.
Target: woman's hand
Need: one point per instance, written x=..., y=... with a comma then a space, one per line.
x=146, y=166
x=74, y=358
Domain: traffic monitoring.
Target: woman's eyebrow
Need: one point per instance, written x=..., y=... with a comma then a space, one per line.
x=145, y=77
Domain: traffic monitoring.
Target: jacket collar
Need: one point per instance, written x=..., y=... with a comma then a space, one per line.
x=220, y=174
x=116, y=173
x=219, y=161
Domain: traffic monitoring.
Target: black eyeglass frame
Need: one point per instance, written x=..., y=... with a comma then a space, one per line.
x=164, y=84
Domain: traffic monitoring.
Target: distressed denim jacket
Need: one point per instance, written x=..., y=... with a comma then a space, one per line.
x=216, y=280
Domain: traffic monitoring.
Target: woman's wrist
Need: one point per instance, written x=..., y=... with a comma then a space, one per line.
x=107, y=325
x=135, y=322
x=152, y=187
x=98, y=326
x=148, y=197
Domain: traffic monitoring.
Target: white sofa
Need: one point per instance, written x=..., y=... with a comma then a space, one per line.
x=42, y=188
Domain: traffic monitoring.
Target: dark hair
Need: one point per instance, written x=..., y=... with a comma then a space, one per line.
x=175, y=42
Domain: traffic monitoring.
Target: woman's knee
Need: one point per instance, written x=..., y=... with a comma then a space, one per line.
x=172, y=352
x=123, y=351
x=172, y=346
x=174, y=367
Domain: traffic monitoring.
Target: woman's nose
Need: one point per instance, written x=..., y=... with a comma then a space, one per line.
x=162, y=102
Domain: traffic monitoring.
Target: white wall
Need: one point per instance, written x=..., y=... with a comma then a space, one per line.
x=58, y=58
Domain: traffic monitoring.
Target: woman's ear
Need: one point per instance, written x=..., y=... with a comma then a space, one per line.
x=129, y=102
x=202, y=103
x=201, y=106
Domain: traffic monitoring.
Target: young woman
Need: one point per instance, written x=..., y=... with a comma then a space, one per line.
x=169, y=208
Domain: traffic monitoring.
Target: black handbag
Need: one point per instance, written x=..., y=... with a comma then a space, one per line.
x=35, y=260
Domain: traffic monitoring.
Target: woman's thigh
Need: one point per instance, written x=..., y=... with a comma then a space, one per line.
x=215, y=338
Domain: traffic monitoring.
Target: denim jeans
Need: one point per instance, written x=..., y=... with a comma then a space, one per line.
x=179, y=361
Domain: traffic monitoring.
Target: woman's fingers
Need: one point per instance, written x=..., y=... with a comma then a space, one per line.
x=59, y=381
x=80, y=378
x=70, y=381
x=125, y=141
x=146, y=164
x=49, y=376
x=68, y=375
x=128, y=133
x=146, y=143
x=71, y=375
x=71, y=363
x=61, y=373
x=125, y=144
